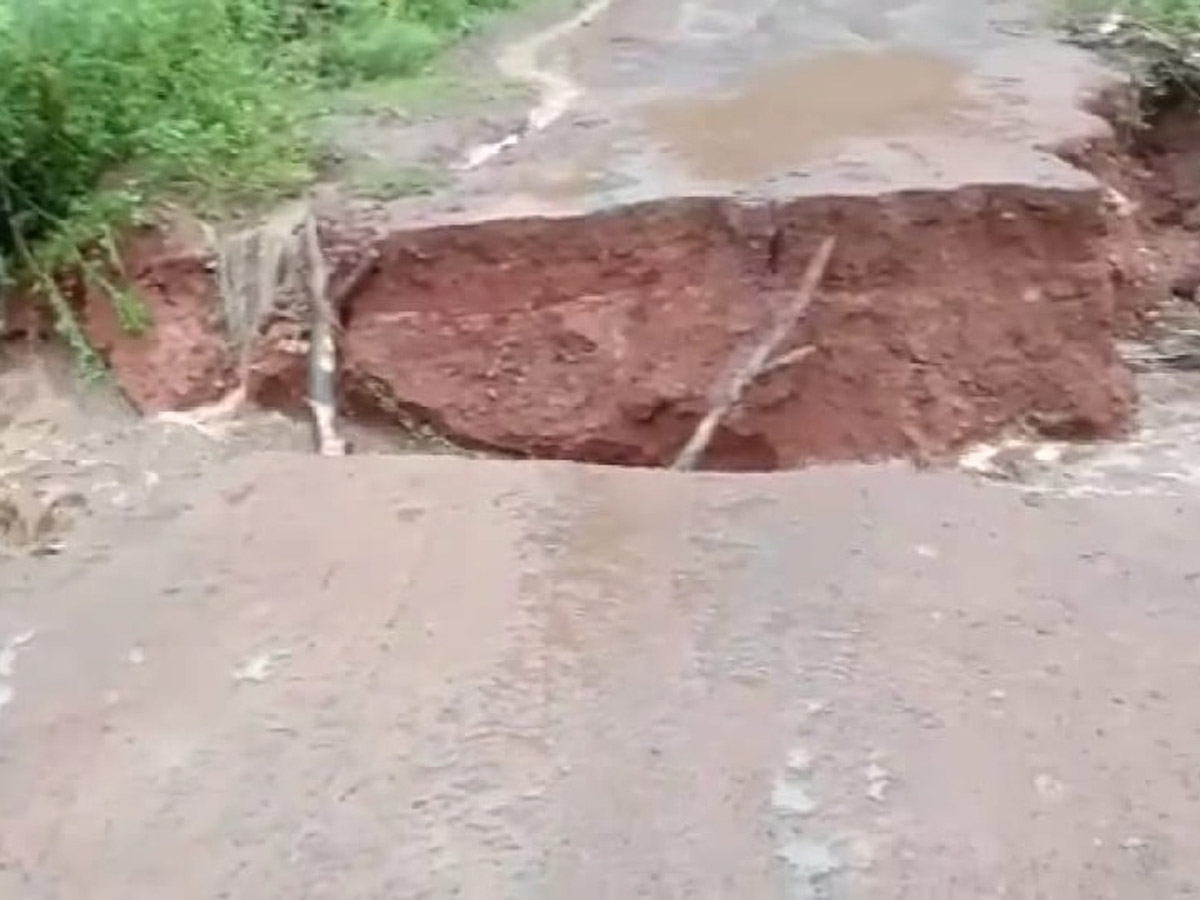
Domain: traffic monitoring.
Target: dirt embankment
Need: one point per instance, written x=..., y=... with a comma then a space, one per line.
x=945, y=317
x=942, y=316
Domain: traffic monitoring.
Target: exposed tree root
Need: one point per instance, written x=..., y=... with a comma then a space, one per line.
x=278, y=269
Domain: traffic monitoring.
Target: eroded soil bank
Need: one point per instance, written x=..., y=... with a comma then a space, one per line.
x=942, y=317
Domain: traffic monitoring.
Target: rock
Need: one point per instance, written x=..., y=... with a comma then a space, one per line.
x=1186, y=283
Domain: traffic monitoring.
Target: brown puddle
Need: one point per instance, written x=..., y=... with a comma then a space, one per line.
x=782, y=113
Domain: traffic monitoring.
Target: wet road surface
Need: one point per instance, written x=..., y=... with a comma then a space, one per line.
x=770, y=100
x=386, y=677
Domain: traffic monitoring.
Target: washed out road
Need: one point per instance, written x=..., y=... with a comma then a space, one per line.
x=278, y=676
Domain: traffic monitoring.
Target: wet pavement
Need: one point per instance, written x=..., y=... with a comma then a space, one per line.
x=421, y=677
x=777, y=99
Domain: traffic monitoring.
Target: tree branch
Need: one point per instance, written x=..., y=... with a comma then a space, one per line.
x=761, y=360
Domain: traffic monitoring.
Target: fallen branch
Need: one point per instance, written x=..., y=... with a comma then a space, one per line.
x=761, y=361
x=786, y=359
x=322, y=352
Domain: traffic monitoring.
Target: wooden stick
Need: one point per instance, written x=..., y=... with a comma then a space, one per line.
x=759, y=361
x=787, y=359
x=322, y=353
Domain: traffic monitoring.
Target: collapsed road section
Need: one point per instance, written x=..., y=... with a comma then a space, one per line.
x=585, y=291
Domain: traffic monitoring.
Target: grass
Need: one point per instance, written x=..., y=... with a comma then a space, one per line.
x=1175, y=16
x=108, y=105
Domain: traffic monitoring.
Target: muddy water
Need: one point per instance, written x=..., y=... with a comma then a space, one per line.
x=777, y=118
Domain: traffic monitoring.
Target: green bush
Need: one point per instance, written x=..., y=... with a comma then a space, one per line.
x=192, y=94
x=370, y=39
x=164, y=84
x=1174, y=15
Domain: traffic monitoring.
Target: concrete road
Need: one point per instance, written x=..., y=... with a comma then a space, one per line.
x=766, y=101
x=394, y=678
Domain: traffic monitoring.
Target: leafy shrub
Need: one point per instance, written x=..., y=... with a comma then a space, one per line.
x=192, y=94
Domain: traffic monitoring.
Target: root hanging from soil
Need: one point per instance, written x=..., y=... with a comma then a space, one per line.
x=322, y=352
x=276, y=270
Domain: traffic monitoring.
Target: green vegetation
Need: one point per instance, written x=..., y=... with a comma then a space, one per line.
x=105, y=104
x=1174, y=16
x=1159, y=40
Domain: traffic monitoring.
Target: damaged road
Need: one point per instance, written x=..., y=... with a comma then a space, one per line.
x=578, y=286
x=275, y=675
